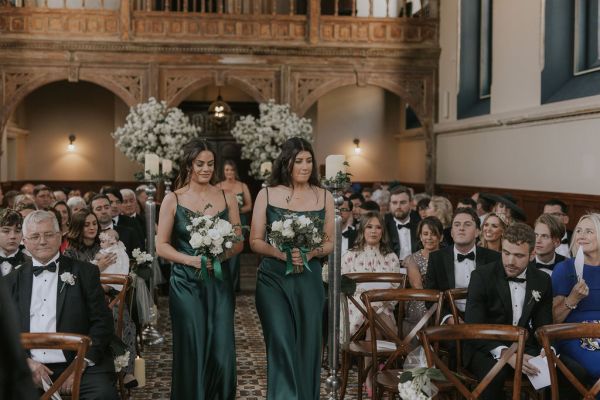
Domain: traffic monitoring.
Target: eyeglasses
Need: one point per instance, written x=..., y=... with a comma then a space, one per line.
x=558, y=214
x=36, y=237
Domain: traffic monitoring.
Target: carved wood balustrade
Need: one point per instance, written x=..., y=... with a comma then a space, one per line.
x=169, y=49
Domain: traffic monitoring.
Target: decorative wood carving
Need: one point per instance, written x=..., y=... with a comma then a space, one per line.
x=17, y=81
x=261, y=86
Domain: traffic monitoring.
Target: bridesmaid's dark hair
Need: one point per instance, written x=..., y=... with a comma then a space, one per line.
x=75, y=232
x=359, y=245
x=190, y=152
x=284, y=164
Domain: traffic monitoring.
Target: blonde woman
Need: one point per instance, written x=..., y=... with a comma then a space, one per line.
x=441, y=208
x=491, y=232
x=577, y=299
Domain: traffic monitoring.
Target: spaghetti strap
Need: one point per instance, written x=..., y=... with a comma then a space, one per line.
x=224, y=198
x=267, y=189
x=176, y=198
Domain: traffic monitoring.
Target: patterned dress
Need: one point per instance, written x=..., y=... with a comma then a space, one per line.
x=415, y=309
x=369, y=259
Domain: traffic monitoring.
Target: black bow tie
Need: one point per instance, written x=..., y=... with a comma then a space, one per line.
x=401, y=226
x=518, y=280
x=14, y=260
x=546, y=266
x=462, y=257
x=564, y=241
x=346, y=233
x=41, y=268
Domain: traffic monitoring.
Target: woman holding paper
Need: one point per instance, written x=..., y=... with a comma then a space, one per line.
x=201, y=298
x=576, y=287
x=290, y=302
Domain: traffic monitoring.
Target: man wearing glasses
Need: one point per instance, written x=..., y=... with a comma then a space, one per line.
x=54, y=293
x=348, y=231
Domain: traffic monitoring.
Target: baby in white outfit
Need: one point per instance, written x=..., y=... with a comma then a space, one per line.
x=109, y=243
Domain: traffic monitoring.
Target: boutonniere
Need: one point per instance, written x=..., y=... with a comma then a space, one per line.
x=67, y=278
x=536, y=295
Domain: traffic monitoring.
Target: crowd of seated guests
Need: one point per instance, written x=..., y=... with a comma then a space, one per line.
x=57, y=231
x=484, y=246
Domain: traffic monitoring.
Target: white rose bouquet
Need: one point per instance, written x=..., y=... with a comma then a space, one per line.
x=261, y=138
x=415, y=384
x=295, y=232
x=211, y=236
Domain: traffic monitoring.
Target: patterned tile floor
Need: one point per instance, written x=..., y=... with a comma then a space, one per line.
x=251, y=358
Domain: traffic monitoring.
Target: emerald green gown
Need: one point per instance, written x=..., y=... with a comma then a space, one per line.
x=291, y=312
x=204, y=364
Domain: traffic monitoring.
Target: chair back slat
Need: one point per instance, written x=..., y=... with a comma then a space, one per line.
x=61, y=341
x=451, y=296
x=548, y=334
x=119, y=300
x=505, y=333
x=379, y=328
x=371, y=277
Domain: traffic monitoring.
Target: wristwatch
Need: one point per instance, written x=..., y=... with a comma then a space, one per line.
x=570, y=307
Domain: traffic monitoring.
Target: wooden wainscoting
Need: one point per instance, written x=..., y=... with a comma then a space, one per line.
x=531, y=201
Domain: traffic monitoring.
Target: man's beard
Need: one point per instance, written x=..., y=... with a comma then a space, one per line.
x=399, y=215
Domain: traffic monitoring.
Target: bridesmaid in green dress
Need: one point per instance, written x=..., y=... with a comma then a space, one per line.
x=230, y=181
x=290, y=307
x=204, y=366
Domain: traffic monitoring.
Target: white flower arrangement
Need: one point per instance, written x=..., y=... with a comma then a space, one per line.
x=261, y=138
x=211, y=236
x=415, y=384
x=152, y=127
x=141, y=257
x=67, y=278
x=121, y=361
x=536, y=295
x=295, y=232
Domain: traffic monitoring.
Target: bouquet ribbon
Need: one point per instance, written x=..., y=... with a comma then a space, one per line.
x=288, y=262
x=216, y=267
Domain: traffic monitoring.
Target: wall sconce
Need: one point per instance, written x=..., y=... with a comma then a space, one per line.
x=357, y=149
x=71, y=146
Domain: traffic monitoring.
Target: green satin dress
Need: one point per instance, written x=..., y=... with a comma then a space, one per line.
x=234, y=262
x=204, y=364
x=290, y=308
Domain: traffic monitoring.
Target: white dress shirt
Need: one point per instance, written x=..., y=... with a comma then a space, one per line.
x=6, y=267
x=563, y=249
x=404, y=238
x=42, y=312
x=546, y=270
x=517, y=299
x=462, y=274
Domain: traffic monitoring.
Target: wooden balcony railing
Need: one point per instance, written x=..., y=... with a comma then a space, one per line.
x=389, y=23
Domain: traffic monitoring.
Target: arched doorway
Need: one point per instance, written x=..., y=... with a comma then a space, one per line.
x=37, y=135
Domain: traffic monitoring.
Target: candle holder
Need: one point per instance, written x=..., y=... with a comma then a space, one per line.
x=150, y=334
x=337, y=188
x=167, y=186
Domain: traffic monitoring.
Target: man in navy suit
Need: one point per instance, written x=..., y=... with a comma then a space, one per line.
x=54, y=293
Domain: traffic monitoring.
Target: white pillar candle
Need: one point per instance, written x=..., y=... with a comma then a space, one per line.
x=266, y=167
x=334, y=163
x=151, y=165
x=139, y=371
x=167, y=166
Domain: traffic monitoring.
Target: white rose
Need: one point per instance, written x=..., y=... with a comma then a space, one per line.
x=303, y=220
x=289, y=233
x=224, y=227
x=196, y=240
x=277, y=226
x=287, y=224
x=228, y=245
x=206, y=240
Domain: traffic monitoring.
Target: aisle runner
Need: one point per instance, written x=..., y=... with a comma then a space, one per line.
x=251, y=358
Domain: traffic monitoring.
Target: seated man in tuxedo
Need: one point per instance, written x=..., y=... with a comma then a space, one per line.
x=129, y=210
x=507, y=292
x=101, y=207
x=548, y=232
x=452, y=266
x=560, y=210
x=11, y=253
x=348, y=231
x=401, y=224
x=54, y=293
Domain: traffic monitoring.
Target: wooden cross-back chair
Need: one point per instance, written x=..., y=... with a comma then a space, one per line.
x=387, y=379
x=459, y=332
x=119, y=301
x=551, y=333
x=61, y=341
x=359, y=348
